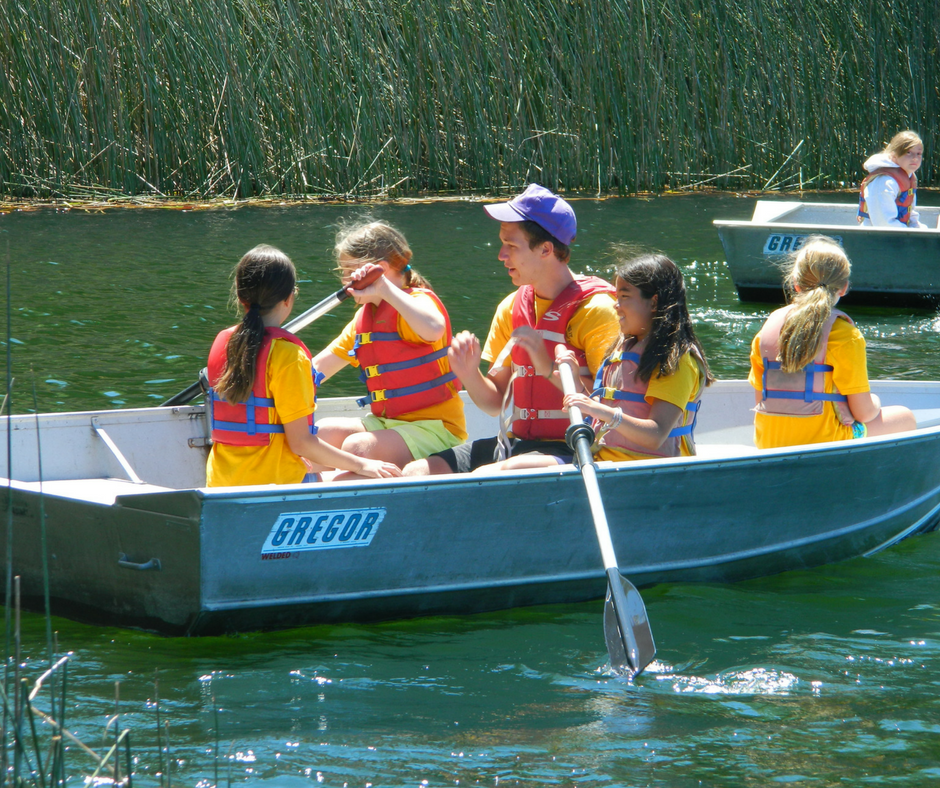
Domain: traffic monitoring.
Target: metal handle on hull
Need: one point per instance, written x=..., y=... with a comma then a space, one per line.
x=153, y=563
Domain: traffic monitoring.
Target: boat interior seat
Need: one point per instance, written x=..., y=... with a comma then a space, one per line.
x=103, y=491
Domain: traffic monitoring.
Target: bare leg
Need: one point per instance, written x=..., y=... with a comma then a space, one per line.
x=335, y=429
x=429, y=466
x=519, y=463
x=385, y=445
x=893, y=418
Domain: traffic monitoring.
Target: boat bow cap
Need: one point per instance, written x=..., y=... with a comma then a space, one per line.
x=537, y=204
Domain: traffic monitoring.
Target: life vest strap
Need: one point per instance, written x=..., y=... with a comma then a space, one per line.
x=378, y=369
x=373, y=336
x=608, y=392
x=234, y=426
x=553, y=336
x=524, y=414
x=258, y=402
x=613, y=358
x=382, y=395
x=807, y=394
x=812, y=396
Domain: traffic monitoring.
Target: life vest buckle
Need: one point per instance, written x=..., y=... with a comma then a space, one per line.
x=378, y=396
x=371, y=372
x=526, y=371
x=364, y=339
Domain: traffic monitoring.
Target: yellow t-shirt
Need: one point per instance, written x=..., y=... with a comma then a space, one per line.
x=677, y=389
x=450, y=412
x=290, y=384
x=845, y=353
x=594, y=327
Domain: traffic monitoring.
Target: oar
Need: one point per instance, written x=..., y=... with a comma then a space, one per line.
x=301, y=321
x=627, y=630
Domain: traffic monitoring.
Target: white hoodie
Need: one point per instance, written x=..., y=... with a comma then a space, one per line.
x=881, y=194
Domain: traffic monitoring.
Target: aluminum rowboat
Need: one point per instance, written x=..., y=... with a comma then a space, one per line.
x=133, y=538
x=889, y=266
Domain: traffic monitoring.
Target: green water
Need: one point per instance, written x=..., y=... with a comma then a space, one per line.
x=823, y=677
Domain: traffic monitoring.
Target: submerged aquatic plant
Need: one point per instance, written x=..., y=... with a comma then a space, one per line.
x=240, y=98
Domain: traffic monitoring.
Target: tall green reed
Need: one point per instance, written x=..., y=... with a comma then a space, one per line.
x=239, y=98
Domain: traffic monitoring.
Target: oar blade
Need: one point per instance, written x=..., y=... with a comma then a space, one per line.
x=627, y=631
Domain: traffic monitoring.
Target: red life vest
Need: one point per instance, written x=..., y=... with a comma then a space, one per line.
x=537, y=412
x=907, y=186
x=617, y=386
x=248, y=423
x=798, y=393
x=402, y=377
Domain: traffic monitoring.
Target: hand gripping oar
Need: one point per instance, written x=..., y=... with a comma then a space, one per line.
x=301, y=321
x=627, y=630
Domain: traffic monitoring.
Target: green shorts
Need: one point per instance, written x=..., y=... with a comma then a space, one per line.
x=422, y=438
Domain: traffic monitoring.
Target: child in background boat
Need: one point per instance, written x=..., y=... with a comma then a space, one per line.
x=645, y=395
x=262, y=397
x=399, y=336
x=888, y=194
x=808, y=362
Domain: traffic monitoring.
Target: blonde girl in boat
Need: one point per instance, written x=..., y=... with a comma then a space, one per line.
x=888, y=194
x=808, y=362
x=262, y=397
x=399, y=337
x=645, y=396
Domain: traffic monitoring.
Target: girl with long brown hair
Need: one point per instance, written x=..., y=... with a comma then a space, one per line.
x=262, y=398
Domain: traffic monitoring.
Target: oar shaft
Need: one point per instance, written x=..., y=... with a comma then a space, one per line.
x=630, y=629
x=301, y=321
x=589, y=474
x=317, y=311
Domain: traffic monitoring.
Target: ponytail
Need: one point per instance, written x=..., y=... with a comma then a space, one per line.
x=414, y=279
x=819, y=271
x=802, y=330
x=264, y=277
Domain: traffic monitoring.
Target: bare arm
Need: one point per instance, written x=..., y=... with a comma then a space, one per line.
x=648, y=433
x=327, y=363
x=486, y=391
x=421, y=314
x=565, y=356
x=865, y=406
x=320, y=453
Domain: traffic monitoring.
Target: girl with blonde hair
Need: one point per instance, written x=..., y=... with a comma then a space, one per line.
x=888, y=194
x=399, y=337
x=808, y=362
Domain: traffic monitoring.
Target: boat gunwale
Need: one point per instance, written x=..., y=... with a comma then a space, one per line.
x=735, y=223
x=258, y=493
x=646, y=467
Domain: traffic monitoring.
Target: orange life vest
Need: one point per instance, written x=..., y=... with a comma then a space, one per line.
x=247, y=423
x=797, y=393
x=537, y=412
x=402, y=377
x=617, y=386
x=907, y=186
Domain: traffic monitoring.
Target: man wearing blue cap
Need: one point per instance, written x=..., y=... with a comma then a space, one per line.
x=552, y=307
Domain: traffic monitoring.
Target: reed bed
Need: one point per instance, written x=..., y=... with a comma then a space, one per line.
x=197, y=99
